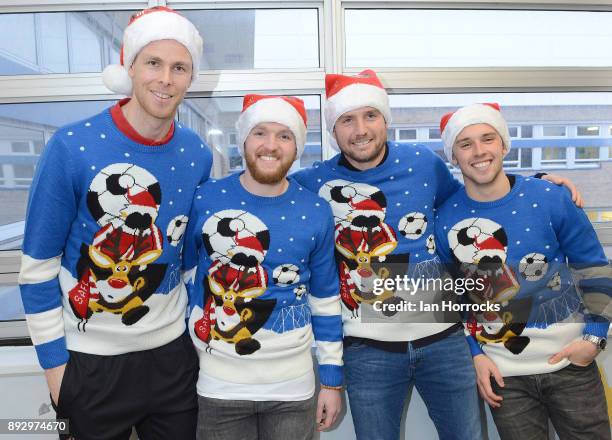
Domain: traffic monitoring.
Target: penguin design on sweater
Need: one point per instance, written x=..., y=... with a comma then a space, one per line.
x=479, y=245
x=238, y=241
x=363, y=242
x=117, y=271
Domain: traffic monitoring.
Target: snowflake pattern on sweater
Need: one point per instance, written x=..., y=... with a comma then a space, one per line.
x=519, y=246
x=383, y=229
x=262, y=283
x=101, y=266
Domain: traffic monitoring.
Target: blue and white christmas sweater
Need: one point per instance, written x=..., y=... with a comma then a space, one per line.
x=383, y=229
x=261, y=279
x=101, y=266
x=519, y=246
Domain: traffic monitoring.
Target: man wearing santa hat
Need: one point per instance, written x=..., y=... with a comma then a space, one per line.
x=545, y=370
x=259, y=260
x=387, y=353
x=103, y=207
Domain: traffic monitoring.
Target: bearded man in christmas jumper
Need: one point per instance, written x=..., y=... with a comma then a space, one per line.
x=100, y=274
x=262, y=284
x=535, y=356
x=383, y=195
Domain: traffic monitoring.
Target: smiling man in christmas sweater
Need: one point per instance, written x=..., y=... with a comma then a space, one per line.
x=383, y=196
x=260, y=270
x=534, y=354
x=100, y=275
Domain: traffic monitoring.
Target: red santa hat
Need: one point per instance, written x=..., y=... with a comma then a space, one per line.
x=250, y=242
x=452, y=123
x=153, y=24
x=286, y=110
x=348, y=93
x=366, y=205
x=141, y=199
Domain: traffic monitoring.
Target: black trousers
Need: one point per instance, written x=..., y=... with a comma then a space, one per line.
x=103, y=397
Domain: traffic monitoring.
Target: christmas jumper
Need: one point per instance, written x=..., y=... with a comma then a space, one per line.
x=383, y=229
x=519, y=247
x=106, y=214
x=261, y=279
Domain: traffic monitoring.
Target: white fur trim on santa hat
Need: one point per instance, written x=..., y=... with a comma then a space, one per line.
x=152, y=26
x=470, y=115
x=351, y=98
x=271, y=110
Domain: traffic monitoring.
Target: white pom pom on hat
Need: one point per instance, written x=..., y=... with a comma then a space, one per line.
x=117, y=79
x=148, y=25
x=453, y=123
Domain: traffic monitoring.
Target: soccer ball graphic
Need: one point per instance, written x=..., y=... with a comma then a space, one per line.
x=430, y=244
x=354, y=203
x=286, y=274
x=413, y=225
x=112, y=188
x=555, y=282
x=478, y=241
x=533, y=266
x=176, y=229
x=236, y=236
x=299, y=291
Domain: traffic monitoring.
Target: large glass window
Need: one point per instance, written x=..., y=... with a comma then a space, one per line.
x=214, y=120
x=72, y=42
x=24, y=129
x=542, y=143
x=476, y=38
x=257, y=39
x=60, y=42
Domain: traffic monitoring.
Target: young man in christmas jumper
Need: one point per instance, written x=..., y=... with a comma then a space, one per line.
x=262, y=283
x=100, y=274
x=383, y=195
x=534, y=355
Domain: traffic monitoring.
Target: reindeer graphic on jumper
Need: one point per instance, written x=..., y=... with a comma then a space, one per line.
x=116, y=271
x=237, y=241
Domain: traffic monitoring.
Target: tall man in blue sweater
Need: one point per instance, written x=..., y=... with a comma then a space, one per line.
x=534, y=353
x=100, y=274
x=262, y=284
x=383, y=197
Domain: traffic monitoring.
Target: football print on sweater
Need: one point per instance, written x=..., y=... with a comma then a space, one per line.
x=116, y=272
x=364, y=243
x=480, y=246
x=237, y=242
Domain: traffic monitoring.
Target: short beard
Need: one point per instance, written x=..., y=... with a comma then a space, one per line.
x=361, y=159
x=269, y=178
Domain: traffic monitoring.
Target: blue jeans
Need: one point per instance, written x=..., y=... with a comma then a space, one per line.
x=378, y=383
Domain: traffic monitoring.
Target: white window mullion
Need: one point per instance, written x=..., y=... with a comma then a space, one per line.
x=536, y=158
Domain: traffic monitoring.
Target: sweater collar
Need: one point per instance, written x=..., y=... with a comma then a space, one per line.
x=343, y=161
x=124, y=127
x=516, y=184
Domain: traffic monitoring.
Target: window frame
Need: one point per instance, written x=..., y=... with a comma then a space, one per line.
x=88, y=86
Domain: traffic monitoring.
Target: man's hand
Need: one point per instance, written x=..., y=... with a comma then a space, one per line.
x=329, y=405
x=579, y=353
x=54, y=381
x=485, y=368
x=558, y=180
